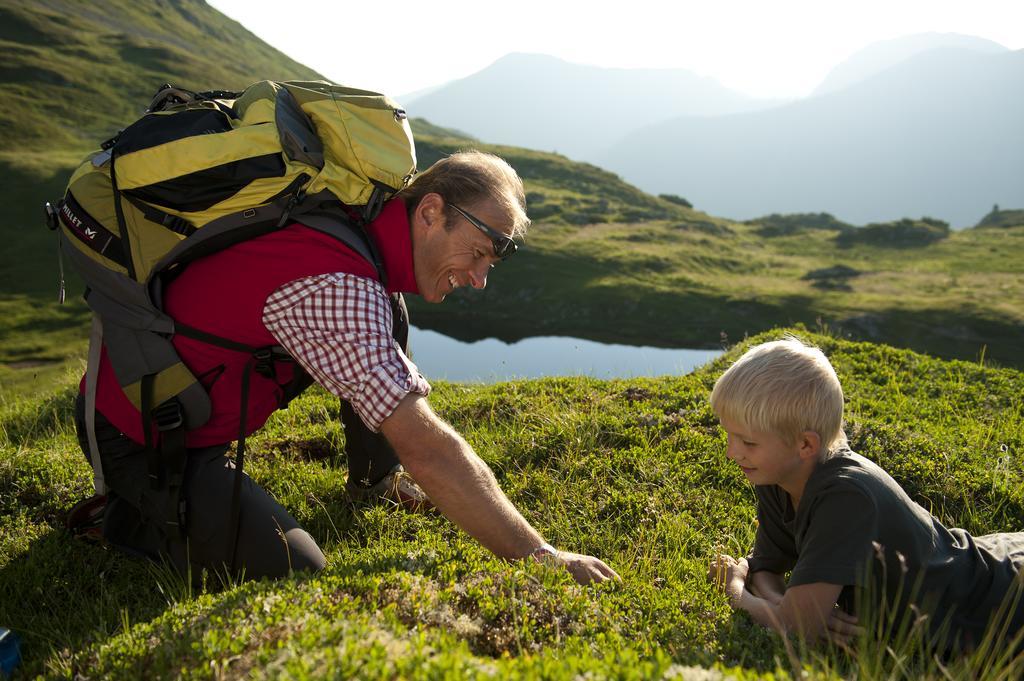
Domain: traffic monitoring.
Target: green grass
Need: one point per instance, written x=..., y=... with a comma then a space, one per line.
x=632, y=471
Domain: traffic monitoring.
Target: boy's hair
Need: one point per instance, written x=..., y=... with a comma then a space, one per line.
x=784, y=387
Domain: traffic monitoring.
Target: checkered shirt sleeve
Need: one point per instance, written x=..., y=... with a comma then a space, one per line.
x=338, y=327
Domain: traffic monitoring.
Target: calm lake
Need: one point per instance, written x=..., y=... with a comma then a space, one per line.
x=489, y=360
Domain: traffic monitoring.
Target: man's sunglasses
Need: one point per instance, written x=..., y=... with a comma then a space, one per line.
x=503, y=245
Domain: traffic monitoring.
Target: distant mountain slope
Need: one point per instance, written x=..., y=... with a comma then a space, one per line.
x=542, y=102
x=562, y=191
x=422, y=127
x=885, y=54
x=73, y=72
x=940, y=134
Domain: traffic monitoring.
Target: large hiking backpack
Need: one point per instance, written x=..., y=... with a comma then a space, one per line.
x=196, y=174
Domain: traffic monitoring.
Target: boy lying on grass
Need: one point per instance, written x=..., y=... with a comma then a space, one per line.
x=837, y=521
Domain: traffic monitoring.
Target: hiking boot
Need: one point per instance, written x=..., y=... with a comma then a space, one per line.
x=85, y=519
x=396, y=488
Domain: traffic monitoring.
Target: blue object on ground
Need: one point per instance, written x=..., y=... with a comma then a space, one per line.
x=10, y=651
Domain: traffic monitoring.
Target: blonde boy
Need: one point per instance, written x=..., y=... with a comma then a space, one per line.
x=825, y=514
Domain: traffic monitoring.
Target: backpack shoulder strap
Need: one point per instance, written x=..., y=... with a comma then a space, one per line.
x=334, y=222
x=349, y=234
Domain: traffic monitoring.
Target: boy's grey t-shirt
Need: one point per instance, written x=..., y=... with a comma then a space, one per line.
x=849, y=507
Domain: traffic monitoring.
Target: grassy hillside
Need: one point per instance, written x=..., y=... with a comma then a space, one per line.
x=673, y=276
x=632, y=471
x=75, y=72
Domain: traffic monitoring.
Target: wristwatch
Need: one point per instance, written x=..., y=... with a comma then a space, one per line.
x=545, y=553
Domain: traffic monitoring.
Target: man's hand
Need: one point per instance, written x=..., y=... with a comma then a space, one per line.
x=730, y=576
x=585, y=569
x=464, y=489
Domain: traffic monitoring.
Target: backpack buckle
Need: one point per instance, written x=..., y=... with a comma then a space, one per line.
x=264, y=365
x=266, y=360
x=178, y=225
x=168, y=416
x=295, y=200
x=51, y=216
x=108, y=144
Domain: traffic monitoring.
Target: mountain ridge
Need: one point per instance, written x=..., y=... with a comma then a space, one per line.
x=893, y=145
x=964, y=158
x=884, y=54
x=551, y=104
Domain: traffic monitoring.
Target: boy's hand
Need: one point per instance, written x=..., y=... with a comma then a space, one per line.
x=730, y=576
x=842, y=626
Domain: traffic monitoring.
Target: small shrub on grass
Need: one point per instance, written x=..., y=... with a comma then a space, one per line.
x=676, y=199
x=833, y=278
x=904, y=233
x=1002, y=218
x=796, y=223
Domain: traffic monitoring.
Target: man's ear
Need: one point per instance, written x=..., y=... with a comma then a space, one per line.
x=809, y=443
x=430, y=211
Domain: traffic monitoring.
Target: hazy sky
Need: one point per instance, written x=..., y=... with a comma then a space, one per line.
x=766, y=48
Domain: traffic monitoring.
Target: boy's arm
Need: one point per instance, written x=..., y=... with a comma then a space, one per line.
x=807, y=609
x=804, y=609
x=768, y=585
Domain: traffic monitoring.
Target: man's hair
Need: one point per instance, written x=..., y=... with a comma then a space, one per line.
x=784, y=387
x=467, y=178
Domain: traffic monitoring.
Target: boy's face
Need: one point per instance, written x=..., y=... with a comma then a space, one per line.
x=765, y=458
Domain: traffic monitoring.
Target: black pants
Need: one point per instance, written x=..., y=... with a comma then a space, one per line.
x=270, y=541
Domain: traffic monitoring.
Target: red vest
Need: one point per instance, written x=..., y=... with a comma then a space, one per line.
x=224, y=294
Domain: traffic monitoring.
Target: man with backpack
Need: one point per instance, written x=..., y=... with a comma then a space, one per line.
x=250, y=325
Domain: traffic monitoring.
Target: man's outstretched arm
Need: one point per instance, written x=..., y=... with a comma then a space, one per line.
x=464, y=489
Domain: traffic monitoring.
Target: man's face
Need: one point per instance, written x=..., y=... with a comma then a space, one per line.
x=765, y=458
x=447, y=255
